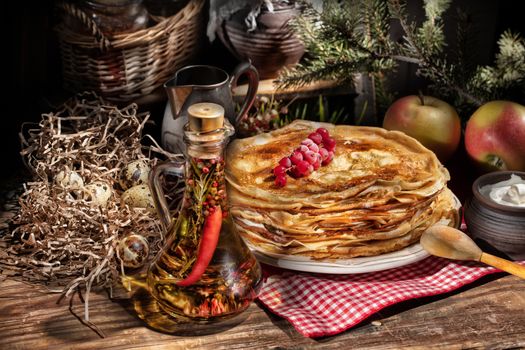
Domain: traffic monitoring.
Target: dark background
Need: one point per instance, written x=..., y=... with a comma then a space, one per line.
x=33, y=66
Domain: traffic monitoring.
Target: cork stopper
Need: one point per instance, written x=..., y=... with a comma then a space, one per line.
x=205, y=117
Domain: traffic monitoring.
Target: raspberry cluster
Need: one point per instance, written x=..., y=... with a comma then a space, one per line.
x=316, y=150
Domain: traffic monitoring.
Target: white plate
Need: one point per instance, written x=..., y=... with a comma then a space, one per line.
x=402, y=257
x=408, y=255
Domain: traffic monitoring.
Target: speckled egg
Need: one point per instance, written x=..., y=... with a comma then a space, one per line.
x=135, y=173
x=133, y=250
x=69, y=179
x=98, y=193
x=139, y=197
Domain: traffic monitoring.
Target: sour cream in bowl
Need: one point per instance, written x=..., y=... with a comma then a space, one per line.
x=508, y=192
x=496, y=212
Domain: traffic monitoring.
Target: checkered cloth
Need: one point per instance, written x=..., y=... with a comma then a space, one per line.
x=320, y=305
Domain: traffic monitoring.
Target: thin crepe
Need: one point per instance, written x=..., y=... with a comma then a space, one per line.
x=379, y=193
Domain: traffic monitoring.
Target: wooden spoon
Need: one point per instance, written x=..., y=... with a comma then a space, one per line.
x=447, y=242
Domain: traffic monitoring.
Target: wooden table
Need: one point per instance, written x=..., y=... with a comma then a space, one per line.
x=487, y=314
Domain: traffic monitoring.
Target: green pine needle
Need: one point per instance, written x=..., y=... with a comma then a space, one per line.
x=352, y=37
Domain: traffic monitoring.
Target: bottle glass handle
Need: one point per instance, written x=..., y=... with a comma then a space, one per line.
x=174, y=168
x=253, y=84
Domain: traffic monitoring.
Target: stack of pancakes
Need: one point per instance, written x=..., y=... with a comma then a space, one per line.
x=378, y=195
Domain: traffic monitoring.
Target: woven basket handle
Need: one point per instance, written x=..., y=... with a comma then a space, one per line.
x=88, y=22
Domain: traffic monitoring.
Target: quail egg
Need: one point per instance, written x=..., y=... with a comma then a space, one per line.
x=133, y=250
x=69, y=179
x=97, y=193
x=135, y=173
x=139, y=197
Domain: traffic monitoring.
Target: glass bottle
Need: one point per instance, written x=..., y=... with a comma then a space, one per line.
x=205, y=272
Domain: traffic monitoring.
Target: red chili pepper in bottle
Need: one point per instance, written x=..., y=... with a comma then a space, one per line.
x=209, y=240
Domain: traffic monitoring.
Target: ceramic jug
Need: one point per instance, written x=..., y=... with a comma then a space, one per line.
x=202, y=83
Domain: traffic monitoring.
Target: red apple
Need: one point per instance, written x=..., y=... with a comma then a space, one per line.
x=495, y=136
x=429, y=120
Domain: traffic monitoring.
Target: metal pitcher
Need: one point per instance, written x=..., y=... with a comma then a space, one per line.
x=202, y=83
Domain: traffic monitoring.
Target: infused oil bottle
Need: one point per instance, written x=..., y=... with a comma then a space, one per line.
x=204, y=272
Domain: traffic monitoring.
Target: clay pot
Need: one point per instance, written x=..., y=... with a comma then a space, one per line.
x=271, y=46
x=501, y=227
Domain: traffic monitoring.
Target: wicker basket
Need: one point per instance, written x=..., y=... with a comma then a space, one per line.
x=129, y=66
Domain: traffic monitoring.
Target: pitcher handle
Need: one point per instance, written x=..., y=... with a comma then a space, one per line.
x=159, y=199
x=253, y=85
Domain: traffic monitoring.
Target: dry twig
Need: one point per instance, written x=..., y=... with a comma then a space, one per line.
x=61, y=238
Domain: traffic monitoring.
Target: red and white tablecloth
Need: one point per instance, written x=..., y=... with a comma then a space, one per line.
x=321, y=305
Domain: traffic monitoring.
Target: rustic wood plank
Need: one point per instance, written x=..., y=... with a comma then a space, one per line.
x=487, y=315
x=268, y=87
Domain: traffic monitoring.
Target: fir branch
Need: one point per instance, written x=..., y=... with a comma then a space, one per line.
x=377, y=11
x=352, y=37
x=342, y=25
x=431, y=31
x=509, y=70
x=424, y=49
x=309, y=72
x=340, y=44
x=511, y=56
x=434, y=9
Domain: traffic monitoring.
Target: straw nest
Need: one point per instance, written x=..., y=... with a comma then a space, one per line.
x=65, y=236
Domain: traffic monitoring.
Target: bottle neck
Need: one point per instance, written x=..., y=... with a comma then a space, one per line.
x=207, y=145
x=205, y=165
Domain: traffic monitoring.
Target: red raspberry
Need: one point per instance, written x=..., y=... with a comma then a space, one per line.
x=318, y=149
x=285, y=162
x=280, y=181
x=294, y=172
x=279, y=171
x=314, y=148
x=329, y=144
x=302, y=149
x=309, y=156
x=302, y=169
x=323, y=132
x=315, y=137
x=296, y=157
x=307, y=142
x=317, y=163
x=329, y=158
x=323, y=153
